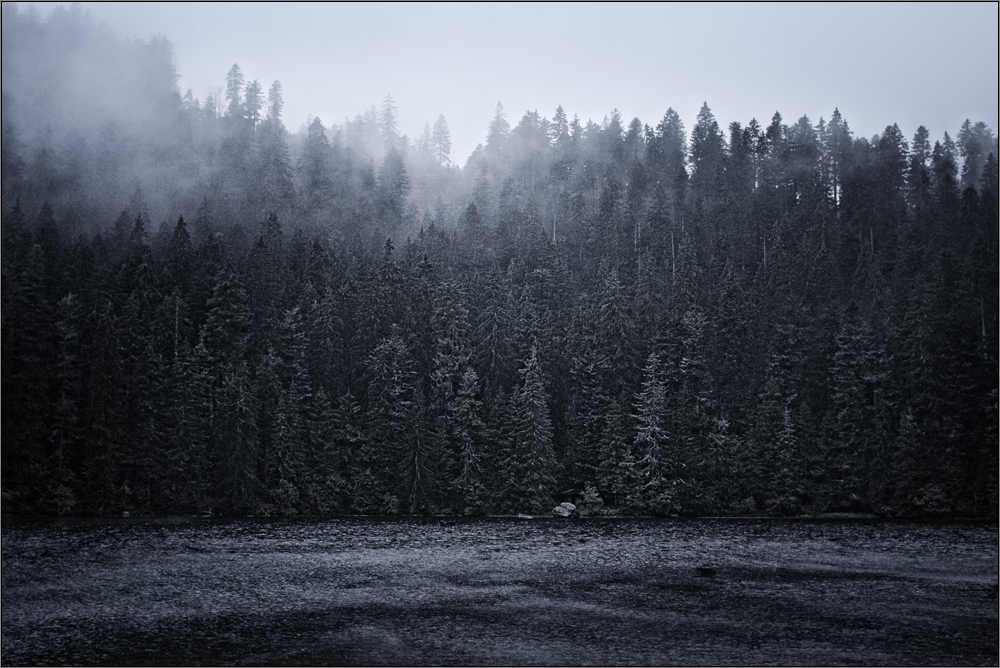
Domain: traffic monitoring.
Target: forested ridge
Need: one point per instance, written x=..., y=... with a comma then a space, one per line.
x=205, y=311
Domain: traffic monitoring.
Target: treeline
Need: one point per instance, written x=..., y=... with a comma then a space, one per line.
x=764, y=320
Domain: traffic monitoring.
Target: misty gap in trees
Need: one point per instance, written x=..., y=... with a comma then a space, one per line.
x=203, y=311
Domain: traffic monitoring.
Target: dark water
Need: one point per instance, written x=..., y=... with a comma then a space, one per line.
x=442, y=591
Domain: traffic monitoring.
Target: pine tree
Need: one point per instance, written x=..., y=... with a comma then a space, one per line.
x=387, y=124
x=344, y=444
x=859, y=372
x=397, y=456
x=945, y=186
x=66, y=433
x=530, y=470
x=180, y=255
x=493, y=355
x=616, y=331
x=707, y=155
x=273, y=165
x=666, y=156
x=441, y=141
x=275, y=104
x=659, y=463
x=393, y=188
x=837, y=154
x=237, y=488
x=466, y=427
x=690, y=408
x=315, y=169
x=620, y=473
x=224, y=344
x=29, y=349
x=587, y=419
x=975, y=142
x=721, y=489
x=253, y=102
x=450, y=366
x=234, y=93
x=499, y=131
x=184, y=468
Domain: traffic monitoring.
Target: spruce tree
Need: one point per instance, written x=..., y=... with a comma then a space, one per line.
x=655, y=444
x=531, y=468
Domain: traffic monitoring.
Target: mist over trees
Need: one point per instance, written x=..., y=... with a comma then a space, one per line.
x=205, y=311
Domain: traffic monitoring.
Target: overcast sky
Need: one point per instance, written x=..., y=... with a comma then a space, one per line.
x=932, y=64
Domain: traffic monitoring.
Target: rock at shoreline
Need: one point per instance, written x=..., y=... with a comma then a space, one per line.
x=565, y=510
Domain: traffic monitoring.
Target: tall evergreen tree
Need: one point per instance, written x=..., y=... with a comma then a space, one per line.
x=441, y=141
x=659, y=463
x=530, y=470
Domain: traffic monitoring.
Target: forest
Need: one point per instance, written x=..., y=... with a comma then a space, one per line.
x=204, y=311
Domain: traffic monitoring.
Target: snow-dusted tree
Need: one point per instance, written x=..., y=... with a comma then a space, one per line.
x=224, y=340
x=184, y=477
x=975, y=143
x=494, y=333
x=651, y=437
x=387, y=119
x=653, y=441
x=619, y=475
x=615, y=330
x=315, y=169
x=253, y=103
x=707, y=155
x=441, y=141
x=234, y=92
x=395, y=457
x=499, y=131
x=587, y=414
x=860, y=374
x=237, y=485
x=272, y=167
x=275, y=103
x=451, y=350
x=464, y=414
x=393, y=187
x=530, y=471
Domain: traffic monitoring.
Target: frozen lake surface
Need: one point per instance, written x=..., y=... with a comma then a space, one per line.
x=328, y=591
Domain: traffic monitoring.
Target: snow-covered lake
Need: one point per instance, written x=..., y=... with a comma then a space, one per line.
x=315, y=591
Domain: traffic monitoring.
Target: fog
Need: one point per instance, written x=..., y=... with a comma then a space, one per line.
x=931, y=64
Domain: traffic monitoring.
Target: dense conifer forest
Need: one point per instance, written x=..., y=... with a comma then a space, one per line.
x=204, y=311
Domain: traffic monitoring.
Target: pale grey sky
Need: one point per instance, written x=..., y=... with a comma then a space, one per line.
x=932, y=64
